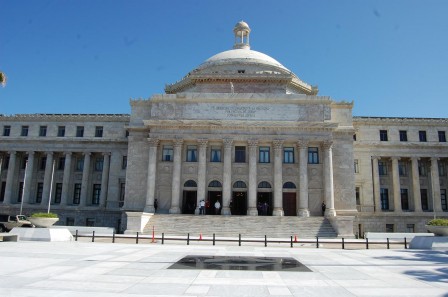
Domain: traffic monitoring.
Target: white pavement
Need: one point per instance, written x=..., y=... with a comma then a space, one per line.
x=104, y=269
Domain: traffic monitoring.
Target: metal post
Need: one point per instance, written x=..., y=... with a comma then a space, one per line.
x=113, y=237
x=388, y=243
x=188, y=239
x=343, y=243
x=405, y=244
x=265, y=241
x=136, y=239
x=76, y=235
x=163, y=238
x=213, y=238
x=291, y=242
x=93, y=236
x=239, y=239
x=51, y=186
x=23, y=189
x=367, y=243
x=317, y=242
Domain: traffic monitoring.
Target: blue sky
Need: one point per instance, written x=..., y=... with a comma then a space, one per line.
x=91, y=56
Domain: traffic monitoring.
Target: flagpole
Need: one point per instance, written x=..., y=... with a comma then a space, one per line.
x=51, y=186
x=24, y=187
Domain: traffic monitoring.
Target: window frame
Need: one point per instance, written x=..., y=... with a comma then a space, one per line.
x=24, y=131
x=215, y=154
x=99, y=130
x=240, y=154
x=79, y=131
x=7, y=130
x=403, y=135
x=264, y=154
x=192, y=153
x=442, y=136
x=288, y=155
x=167, y=151
x=96, y=194
x=61, y=131
x=383, y=135
x=313, y=155
x=422, y=136
x=43, y=131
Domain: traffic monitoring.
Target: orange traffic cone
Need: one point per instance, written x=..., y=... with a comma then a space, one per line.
x=295, y=238
x=153, y=239
x=200, y=236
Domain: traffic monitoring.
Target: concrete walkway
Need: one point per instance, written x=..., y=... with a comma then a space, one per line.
x=104, y=269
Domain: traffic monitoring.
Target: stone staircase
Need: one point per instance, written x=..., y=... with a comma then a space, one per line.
x=247, y=226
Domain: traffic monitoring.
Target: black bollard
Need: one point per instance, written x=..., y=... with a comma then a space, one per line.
x=239, y=239
x=76, y=235
x=188, y=239
x=265, y=241
x=387, y=243
x=93, y=236
x=136, y=239
x=113, y=237
x=317, y=242
x=343, y=243
x=291, y=242
x=213, y=238
x=367, y=243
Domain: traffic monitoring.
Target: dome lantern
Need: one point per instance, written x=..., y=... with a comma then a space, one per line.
x=241, y=31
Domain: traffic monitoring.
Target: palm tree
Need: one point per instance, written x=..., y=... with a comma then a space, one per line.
x=2, y=79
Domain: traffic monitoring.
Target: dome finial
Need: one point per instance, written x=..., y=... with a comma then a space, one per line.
x=241, y=31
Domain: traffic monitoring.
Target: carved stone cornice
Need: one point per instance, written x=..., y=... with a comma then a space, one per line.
x=67, y=117
x=327, y=144
x=228, y=142
x=202, y=142
x=153, y=141
x=302, y=143
x=278, y=144
x=252, y=143
x=178, y=142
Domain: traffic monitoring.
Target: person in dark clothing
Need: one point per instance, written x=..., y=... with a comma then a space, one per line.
x=324, y=207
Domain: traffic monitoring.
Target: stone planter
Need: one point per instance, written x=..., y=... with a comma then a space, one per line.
x=43, y=222
x=438, y=230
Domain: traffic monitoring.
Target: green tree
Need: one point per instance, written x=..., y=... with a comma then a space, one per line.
x=2, y=79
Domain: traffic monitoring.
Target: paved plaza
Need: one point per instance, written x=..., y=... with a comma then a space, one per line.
x=105, y=269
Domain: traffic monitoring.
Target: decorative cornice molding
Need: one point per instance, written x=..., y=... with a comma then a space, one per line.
x=278, y=144
x=153, y=141
x=67, y=117
x=252, y=143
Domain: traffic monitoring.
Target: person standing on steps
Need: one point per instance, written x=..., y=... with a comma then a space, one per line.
x=202, y=207
x=156, y=204
x=217, y=207
x=324, y=207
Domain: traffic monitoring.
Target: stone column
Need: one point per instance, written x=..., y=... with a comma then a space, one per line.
x=47, y=178
x=104, y=179
x=202, y=170
x=376, y=184
x=435, y=185
x=328, y=178
x=253, y=145
x=85, y=179
x=10, y=177
x=29, y=177
x=416, y=185
x=177, y=166
x=302, y=206
x=396, y=184
x=227, y=176
x=278, y=179
x=66, y=178
x=151, y=180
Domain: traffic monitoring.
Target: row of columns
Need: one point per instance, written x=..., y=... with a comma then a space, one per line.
x=303, y=209
x=435, y=184
x=49, y=167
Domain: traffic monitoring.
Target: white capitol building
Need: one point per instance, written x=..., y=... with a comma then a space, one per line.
x=241, y=129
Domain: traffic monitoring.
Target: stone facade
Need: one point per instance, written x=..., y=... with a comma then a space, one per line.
x=240, y=129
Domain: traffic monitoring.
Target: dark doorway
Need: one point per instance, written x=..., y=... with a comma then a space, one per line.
x=189, y=202
x=239, y=204
x=210, y=205
x=264, y=203
x=289, y=204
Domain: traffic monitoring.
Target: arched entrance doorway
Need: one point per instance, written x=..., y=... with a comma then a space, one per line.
x=289, y=199
x=189, y=197
x=214, y=194
x=264, y=199
x=239, y=199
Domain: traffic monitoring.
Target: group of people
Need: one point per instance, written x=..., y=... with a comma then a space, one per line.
x=203, y=205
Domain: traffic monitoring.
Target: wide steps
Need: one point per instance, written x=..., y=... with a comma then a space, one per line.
x=247, y=226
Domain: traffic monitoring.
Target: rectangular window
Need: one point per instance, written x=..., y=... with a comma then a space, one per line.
x=403, y=135
x=2, y=191
x=424, y=197
x=313, y=155
x=422, y=169
x=99, y=164
x=404, y=199
x=402, y=169
x=43, y=163
x=442, y=169
x=40, y=190
x=24, y=131
x=19, y=196
x=192, y=153
x=122, y=193
x=240, y=154
x=90, y=222
x=58, y=193
x=6, y=130
x=215, y=154
x=79, y=131
x=96, y=194
x=383, y=135
x=354, y=137
x=384, y=198
x=61, y=163
x=442, y=136
x=124, y=162
x=264, y=154
x=356, y=166
x=5, y=163
x=43, y=131
x=358, y=196
x=389, y=228
x=410, y=228
x=422, y=136
x=443, y=199
x=99, y=131
x=77, y=194
x=167, y=153
x=70, y=221
x=288, y=155
x=79, y=164
x=382, y=168
x=61, y=131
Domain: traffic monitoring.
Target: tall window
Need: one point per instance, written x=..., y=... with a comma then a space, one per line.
x=43, y=163
x=383, y=135
x=58, y=193
x=215, y=154
x=403, y=135
x=122, y=193
x=79, y=131
x=410, y=228
x=264, y=154
x=424, y=197
x=61, y=163
x=313, y=155
x=40, y=190
x=77, y=194
x=96, y=194
x=79, y=164
x=384, y=198
x=6, y=130
x=192, y=153
x=167, y=153
x=2, y=191
x=43, y=131
x=442, y=136
x=61, y=131
x=99, y=131
x=356, y=166
x=99, y=164
x=442, y=169
x=422, y=169
x=402, y=169
x=24, y=131
x=358, y=196
x=422, y=136
x=382, y=168
x=124, y=162
x=5, y=164
x=443, y=199
x=288, y=155
x=404, y=199
x=240, y=154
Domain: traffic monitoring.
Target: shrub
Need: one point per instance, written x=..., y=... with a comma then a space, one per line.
x=44, y=215
x=438, y=222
